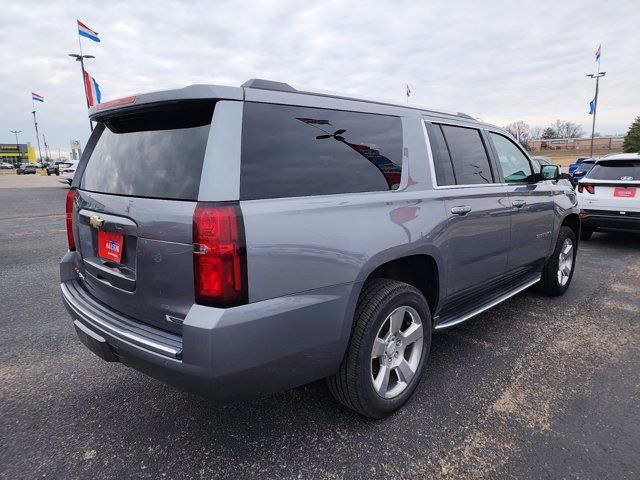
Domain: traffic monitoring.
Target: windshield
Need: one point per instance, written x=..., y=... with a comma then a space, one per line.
x=155, y=153
x=616, y=170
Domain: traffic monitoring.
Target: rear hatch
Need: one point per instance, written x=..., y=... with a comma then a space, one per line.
x=613, y=186
x=135, y=201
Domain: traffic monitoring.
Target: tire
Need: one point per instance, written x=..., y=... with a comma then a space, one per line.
x=353, y=384
x=553, y=282
x=585, y=233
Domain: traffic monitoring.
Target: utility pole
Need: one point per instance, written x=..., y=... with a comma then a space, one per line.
x=35, y=123
x=80, y=58
x=46, y=148
x=595, y=99
x=595, y=105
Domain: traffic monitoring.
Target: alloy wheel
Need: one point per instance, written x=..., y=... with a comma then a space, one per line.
x=565, y=262
x=397, y=351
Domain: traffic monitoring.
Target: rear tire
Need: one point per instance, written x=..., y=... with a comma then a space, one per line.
x=387, y=353
x=558, y=271
x=585, y=233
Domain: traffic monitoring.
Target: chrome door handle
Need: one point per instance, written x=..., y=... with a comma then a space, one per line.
x=518, y=203
x=462, y=210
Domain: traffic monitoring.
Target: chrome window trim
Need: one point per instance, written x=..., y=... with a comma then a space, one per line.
x=432, y=167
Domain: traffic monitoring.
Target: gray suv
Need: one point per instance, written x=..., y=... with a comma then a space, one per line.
x=240, y=241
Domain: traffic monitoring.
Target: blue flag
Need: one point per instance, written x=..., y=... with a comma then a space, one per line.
x=592, y=107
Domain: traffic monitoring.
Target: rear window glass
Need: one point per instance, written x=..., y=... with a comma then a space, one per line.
x=616, y=170
x=468, y=154
x=151, y=153
x=290, y=151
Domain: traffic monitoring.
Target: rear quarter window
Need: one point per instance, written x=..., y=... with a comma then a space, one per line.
x=157, y=152
x=290, y=151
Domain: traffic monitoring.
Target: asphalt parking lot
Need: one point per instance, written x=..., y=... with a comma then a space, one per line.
x=535, y=388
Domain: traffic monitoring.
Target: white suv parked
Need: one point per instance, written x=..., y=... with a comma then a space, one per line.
x=609, y=195
x=67, y=171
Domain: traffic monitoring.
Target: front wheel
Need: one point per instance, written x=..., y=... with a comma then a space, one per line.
x=558, y=271
x=388, y=349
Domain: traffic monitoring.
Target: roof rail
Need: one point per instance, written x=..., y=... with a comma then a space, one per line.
x=268, y=85
x=464, y=115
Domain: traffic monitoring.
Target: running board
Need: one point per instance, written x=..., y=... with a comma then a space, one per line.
x=462, y=315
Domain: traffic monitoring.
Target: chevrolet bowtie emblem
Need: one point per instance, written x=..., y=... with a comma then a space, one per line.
x=95, y=221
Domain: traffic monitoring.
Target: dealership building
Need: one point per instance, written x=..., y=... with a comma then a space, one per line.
x=17, y=153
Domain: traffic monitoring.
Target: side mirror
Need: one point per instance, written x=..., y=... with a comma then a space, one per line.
x=550, y=172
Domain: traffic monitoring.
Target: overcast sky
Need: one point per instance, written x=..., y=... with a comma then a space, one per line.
x=500, y=61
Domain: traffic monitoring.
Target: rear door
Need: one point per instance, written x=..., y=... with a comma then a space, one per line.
x=531, y=203
x=477, y=207
x=137, y=191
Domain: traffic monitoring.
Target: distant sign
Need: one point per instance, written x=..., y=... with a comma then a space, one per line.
x=562, y=142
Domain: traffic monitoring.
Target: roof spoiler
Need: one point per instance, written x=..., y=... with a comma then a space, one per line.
x=268, y=85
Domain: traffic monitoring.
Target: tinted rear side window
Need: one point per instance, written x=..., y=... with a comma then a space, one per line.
x=616, y=170
x=292, y=151
x=468, y=154
x=152, y=153
x=441, y=157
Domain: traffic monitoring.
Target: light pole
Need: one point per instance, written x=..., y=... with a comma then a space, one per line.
x=595, y=104
x=80, y=58
x=16, y=132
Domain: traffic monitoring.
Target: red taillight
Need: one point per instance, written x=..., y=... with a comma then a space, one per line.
x=116, y=103
x=71, y=195
x=583, y=215
x=589, y=188
x=219, y=256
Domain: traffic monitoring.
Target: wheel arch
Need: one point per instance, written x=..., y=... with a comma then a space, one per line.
x=573, y=222
x=422, y=269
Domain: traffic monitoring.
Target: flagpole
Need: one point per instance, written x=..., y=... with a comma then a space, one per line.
x=595, y=99
x=35, y=123
x=86, y=94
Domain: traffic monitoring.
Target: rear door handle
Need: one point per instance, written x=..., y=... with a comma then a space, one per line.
x=518, y=203
x=462, y=210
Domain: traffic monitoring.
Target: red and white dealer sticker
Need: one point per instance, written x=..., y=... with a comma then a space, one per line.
x=110, y=245
x=625, y=192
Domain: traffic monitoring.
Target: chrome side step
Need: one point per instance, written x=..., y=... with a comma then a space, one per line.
x=486, y=306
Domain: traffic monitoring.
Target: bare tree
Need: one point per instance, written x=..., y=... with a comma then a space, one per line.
x=566, y=129
x=525, y=131
x=549, y=133
x=535, y=133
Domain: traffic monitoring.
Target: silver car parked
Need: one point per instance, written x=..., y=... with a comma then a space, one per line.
x=240, y=241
